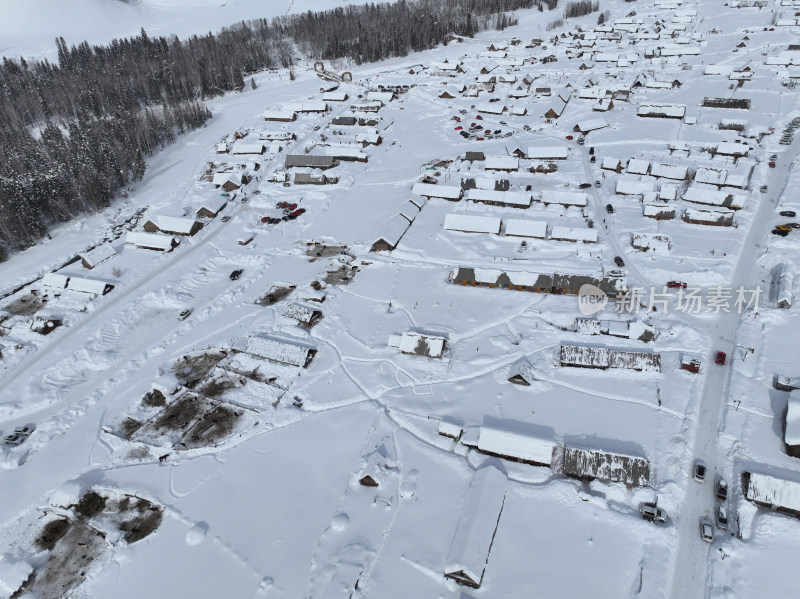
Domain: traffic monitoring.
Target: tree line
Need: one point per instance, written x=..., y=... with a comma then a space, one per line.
x=76, y=132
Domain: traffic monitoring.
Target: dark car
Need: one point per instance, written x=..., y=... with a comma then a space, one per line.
x=676, y=284
x=281, y=204
x=584, y=186
x=780, y=232
x=591, y=151
x=274, y=221
x=609, y=208
x=497, y=131
x=788, y=213
x=699, y=471
x=593, y=159
x=464, y=134
x=721, y=358
x=619, y=261
x=236, y=274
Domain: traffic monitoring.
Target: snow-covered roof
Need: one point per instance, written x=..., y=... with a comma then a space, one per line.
x=480, y=516
x=311, y=106
x=668, y=171
x=710, y=175
x=769, y=490
x=247, y=147
x=231, y=176
x=591, y=125
x=518, y=446
x=55, y=279
x=472, y=223
x=279, y=115
x=574, y=234
x=491, y=108
x=14, y=572
x=729, y=148
x=214, y=204
x=84, y=285
x=431, y=190
x=98, y=255
x=588, y=357
x=444, y=65
x=173, y=224
x=501, y=163
x=156, y=241
x=334, y=96
x=559, y=152
x=300, y=312
x=637, y=166
x=668, y=191
x=708, y=196
x=526, y=228
x=566, y=198
x=715, y=216
x=422, y=345
x=279, y=350
x=450, y=429
x=394, y=229
x=791, y=435
x=610, y=164
x=384, y=97
x=510, y=198
x=633, y=187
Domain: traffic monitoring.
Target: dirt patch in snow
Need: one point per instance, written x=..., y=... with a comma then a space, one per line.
x=25, y=305
x=321, y=250
x=192, y=369
x=275, y=294
x=212, y=427
x=343, y=275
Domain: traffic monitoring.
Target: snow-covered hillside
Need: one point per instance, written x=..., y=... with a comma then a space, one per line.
x=446, y=330
x=29, y=27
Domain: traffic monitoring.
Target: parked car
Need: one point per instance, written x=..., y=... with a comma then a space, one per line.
x=763, y=189
x=609, y=208
x=464, y=134
x=478, y=117
x=281, y=204
x=771, y=164
x=722, y=518
x=676, y=284
x=619, y=261
x=722, y=489
x=274, y=221
x=721, y=358
x=290, y=207
x=648, y=511
x=593, y=159
x=780, y=232
x=26, y=430
x=297, y=212
x=584, y=186
x=185, y=314
x=581, y=141
x=597, y=182
x=479, y=139
x=236, y=274
x=591, y=151
x=459, y=128
x=706, y=530
x=786, y=228
x=14, y=439
x=265, y=219
x=526, y=127
x=788, y=213
x=773, y=157
x=699, y=471
x=569, y=137
x=225, y=219
x=793, y=225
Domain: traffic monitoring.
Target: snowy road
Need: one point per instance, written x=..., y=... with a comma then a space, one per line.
x=692, y=554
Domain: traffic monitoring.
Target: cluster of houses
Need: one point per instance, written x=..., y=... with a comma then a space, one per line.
x=474, y=223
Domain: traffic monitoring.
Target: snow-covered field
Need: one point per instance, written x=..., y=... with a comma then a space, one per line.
x=325, y=424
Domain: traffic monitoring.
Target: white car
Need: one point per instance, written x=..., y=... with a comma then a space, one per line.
x=706, y=531
x=654, y=514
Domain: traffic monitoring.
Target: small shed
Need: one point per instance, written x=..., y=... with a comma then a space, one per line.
x=392, y=233
x=516, y=446
x=211, y=207
x=97, y=255
x=417, y=344
x=521, y=373
x=306, y=316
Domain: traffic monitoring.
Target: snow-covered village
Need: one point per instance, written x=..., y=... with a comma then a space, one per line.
x=504, y=311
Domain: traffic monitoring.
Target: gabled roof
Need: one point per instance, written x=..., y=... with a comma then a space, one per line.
x=98, y=255
x=173, y=224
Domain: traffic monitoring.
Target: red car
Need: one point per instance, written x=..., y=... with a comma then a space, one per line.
x=281, y=204
x=459, y=128
x=289, y=207
x=479, y=139
x=676, y=285
x=721, y=357
x=297, y=212
x=569, y=137
x=771, y=164
x=264, y=219
x=479, y=117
